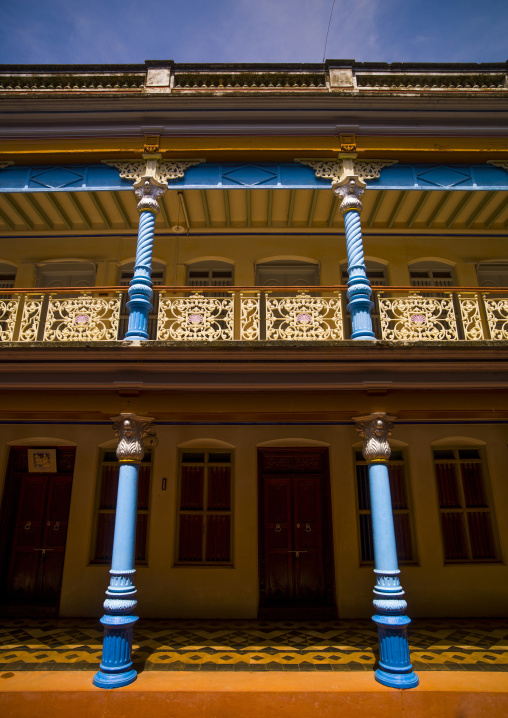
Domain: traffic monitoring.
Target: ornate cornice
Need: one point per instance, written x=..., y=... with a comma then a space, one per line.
x=161, y=171
x=338, y=170
x=375, y=429
x=499, y=163
x=135, y=434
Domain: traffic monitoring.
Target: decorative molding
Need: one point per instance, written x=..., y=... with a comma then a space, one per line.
x=375, y=429
x=325, y=169
x=135, y=434
x=499, y=163
x=371, y=170
x=161, y=171
x=238, y=81
x=338, y=170
x=5, y=164
x=431, y=82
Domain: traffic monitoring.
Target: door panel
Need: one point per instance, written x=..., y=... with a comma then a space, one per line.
x=293, y=527
x=33, y=572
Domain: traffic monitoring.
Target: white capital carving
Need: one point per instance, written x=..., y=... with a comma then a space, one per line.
x=339, y=170
x=499, y=163
x=135, y=434
x=161, y=171
x=375, y=429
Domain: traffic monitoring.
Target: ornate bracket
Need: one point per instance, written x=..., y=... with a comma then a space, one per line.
x=375, y=429
x=152, y=167
x=339, y=170
x=5, y=164
x=135, y=434
x=499, y=163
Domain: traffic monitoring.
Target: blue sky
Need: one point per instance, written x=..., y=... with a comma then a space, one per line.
x=132, y=31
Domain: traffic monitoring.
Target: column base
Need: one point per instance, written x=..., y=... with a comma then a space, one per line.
x=114, y=680
x=394, y=680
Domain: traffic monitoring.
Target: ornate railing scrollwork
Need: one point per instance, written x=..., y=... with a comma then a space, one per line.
x=84, y=318
x=417, y=318
x=497, y=317
x=195, y=318
x=304, y=317
x=8, y=315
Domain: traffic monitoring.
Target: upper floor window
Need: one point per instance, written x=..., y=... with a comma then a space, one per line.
x=431, y=274
x=7, y=275
x=401, y=506
x=65, y=274
x=464, y=506
x=210, y=274
x=492, y=274
x=376, y=273
x=126, y=273
x=287, y=273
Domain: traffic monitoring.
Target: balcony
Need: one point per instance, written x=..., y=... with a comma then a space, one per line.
x=247, y=314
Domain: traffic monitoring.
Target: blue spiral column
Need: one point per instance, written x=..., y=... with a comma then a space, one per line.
x=359, y=292
x=395, y=669
x=116, y=670
x=140, y=287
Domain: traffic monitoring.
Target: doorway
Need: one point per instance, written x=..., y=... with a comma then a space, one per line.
x=33, y=528
x=295, y=536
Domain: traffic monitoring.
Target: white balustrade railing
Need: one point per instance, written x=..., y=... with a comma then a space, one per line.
x=255, y=314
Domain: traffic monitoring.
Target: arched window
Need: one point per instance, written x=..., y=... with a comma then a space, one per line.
x=376, y=274
x=7, y=275
x=125, y=274
x=401, y=507
x=467, y=525
x=210, y=273
x=65, y=273
x=492, y=274
x=431, y=273
x=205, y=520
x=287, y=273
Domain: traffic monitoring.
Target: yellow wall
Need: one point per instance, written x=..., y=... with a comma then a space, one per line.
x=397, y=252
x=165, y=590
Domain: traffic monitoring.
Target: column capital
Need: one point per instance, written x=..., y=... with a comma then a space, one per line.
x=350, y=190
x=375, y=429
x=135, y=434
x=148, y=189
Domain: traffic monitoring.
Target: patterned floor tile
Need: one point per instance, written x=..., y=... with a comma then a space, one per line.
x=248, y=645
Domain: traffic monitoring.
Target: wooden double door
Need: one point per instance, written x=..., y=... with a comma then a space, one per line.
x=34, y=528
x=296, y=565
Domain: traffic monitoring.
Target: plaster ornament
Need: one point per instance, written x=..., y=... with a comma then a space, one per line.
x=499, y=163
x=135, y=434
x=375, y=430
x=162, y=172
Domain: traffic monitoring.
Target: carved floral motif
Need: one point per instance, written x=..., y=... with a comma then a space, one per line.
x=135, y=434
x=375, y=430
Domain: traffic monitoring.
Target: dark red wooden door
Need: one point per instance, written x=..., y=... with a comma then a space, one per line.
x=36, y=566
x=293, y=540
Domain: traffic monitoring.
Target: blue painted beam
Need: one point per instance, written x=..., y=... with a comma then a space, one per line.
x=86, y=178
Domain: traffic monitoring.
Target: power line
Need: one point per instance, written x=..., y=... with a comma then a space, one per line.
x=329, y=23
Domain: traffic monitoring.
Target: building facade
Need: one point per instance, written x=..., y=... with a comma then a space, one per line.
x=252, y=368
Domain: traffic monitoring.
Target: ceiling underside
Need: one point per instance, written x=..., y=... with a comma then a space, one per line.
x=263, y=209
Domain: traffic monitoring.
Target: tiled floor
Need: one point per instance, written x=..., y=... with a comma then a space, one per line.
x=249, y=645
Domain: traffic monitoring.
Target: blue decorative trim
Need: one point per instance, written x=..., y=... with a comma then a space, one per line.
x=86, y=178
